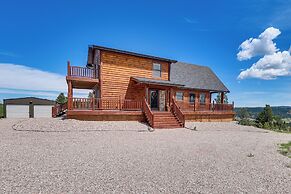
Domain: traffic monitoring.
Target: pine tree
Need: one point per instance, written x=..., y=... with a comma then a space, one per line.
x=243, y=113
x=61, y=99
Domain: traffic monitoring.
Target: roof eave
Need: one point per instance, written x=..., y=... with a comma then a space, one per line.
x=132, y=53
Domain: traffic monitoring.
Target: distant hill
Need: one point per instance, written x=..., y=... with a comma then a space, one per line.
x=282, y=111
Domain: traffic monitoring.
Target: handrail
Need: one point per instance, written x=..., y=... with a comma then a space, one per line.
x=148, y=113
x=58, y=109
x=76, y=71
x=178, y=113
x=105, y=104
x=223, y=107
x=213, y=107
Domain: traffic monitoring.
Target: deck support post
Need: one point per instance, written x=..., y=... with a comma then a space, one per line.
x=70, y=95
x=120, y=103
x=93, y=103
x=213, y=106
x=222, y=97
x=69, y=68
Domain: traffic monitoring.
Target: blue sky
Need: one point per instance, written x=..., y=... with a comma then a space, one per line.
x=38, y=37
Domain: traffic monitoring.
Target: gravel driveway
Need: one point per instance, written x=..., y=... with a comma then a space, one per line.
x=68, y=156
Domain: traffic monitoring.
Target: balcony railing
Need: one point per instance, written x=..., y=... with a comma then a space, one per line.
x=104, y=104
x=75, y=71
x=214, y=107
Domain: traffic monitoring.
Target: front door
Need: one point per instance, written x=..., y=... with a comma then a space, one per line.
x=154, y=94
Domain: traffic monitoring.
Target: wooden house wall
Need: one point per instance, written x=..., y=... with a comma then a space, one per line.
x=116, y=70
x=186, y=99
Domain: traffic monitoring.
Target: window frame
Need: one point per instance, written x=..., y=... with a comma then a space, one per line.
x=157, y=70
x=192, y=93
x=181, y=96
x=202, y=103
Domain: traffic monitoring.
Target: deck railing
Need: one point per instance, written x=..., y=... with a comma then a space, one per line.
x=58, y=109
x=222, y=107
x=148, y=113
x=214, y=107
x=178, y=112
x=75, y=71
x=105, y=104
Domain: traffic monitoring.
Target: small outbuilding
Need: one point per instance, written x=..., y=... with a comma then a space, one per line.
x=28, y=107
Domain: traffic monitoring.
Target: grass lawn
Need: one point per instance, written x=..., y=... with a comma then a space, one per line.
x=285, y=149
x=1, y=110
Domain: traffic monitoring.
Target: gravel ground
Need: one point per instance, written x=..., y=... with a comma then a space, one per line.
x=68, y=156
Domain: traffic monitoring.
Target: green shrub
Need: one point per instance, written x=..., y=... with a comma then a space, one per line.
x=265, y=120
x=246, y=122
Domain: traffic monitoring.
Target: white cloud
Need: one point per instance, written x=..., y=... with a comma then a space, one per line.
x=27, y=78
x=189, y=20
x=263, y=45
x=23, y=80
x=273, y=64
x=28, y=92
x=269, y=67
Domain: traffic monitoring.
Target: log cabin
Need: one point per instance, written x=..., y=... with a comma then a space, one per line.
x=131, y=86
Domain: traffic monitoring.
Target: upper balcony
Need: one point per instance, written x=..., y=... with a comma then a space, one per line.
x=82, y=77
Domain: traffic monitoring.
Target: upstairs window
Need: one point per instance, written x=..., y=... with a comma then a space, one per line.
x=179, y=96
x=192, y=98
x=157, y=70
x=202, y=98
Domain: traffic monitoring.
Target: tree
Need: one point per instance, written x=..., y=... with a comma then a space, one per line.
x=90, y=95
x=218, y=99
x=61, y=99
x=266, y=116
x=243, y=113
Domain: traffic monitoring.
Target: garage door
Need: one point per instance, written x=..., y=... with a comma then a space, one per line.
x=42, y=111
x=17, y=111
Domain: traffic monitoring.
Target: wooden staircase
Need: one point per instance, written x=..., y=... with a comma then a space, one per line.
x=157, y=119
x=166, y=120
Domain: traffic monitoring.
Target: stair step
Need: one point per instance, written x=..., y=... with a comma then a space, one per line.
x=164, y=120
x=167, y=126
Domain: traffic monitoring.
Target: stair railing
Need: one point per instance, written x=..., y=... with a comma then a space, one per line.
x=148, y=113
x=178, y=113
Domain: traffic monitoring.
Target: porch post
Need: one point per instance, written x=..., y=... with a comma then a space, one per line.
x=146, y=93
x=222, y=97
x=69, y=68
x=70, y=95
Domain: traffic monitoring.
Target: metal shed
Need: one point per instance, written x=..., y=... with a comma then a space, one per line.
x=28, y=107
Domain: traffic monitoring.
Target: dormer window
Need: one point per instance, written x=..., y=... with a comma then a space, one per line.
x=157, y=70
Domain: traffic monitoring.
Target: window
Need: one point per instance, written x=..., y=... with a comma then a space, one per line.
x=179, y=96
x=192, y=98
x=157, y=72
x=202, y=98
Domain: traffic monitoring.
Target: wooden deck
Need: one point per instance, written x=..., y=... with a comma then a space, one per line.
x=115, y=109
x=209, y=116
x=106, y=115
x=119, y=115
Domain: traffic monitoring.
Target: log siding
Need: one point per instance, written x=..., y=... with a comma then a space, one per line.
x=117, y=69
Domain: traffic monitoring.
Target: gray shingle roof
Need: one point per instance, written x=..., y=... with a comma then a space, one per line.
x=157, y=82
x=196, y=77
